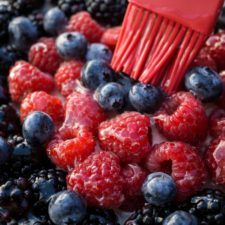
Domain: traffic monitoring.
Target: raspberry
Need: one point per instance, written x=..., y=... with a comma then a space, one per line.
x=205, y=59
x=181, y=161
x=182, y=118
x=133, y=178
x=110, y=36
x=41, y=101
x=127, y=135
x=66, y=75
x=216, y=48
x=44, y=55
x=221, y=101
x=24, y=78
x=82, y=111
x=71, y=147
x=217, y=122
x=98, y=179
x=215, y=159
x=83, y=23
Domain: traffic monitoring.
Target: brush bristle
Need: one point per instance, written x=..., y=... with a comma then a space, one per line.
x=154, y=49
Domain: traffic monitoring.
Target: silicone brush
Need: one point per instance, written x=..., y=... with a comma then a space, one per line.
x=160, y=39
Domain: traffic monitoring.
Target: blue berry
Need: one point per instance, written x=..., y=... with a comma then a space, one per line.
x=22, y=33
x=145, y=98
x=180, y=218
x=38, y=128
x=96, y=73
x=5, y=151
x=111, y=96
x=66, y=207
x=72, y=45
x=54, y=21
x=99, y=51
x=204, y=83
x=159, y=189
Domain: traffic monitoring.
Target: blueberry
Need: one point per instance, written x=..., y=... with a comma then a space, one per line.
x=180, y=218
x=204, y=83
x=96, y=73
x=159, y=189
x=99, y=51
x=38, y=128
x=111, y=96
x=72, y=45
x=54, y=21
x=66, y=207
x=22, y=33
x=145, y=98
x=5, y=151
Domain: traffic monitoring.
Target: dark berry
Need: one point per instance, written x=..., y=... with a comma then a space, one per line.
x=205, y=83
x=67, y=207
x=96, y=73
x=5, y=151
x=145, y=97
x=159, y=188
x=107, y=12
x=150, y=215
x=37, y=18
x=38, y=128
x=4, y=95
x=54, y=21
x=71, y=45
x=180, y=218
x=221, y=19
x=111, y=96
x=6, y=14
x=71, y=7
x=99, y=51
x=208, y=206
x=23, y=33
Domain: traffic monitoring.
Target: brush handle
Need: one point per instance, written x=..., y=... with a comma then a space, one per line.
x=198, y=15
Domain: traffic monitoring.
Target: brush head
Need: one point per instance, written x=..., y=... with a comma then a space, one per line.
x=200, y=15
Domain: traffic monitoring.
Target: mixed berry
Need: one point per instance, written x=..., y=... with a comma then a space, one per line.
x=82, y=144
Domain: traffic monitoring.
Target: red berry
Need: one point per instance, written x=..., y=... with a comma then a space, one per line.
x=127, y=135
x=111, y=36
x=205, y=59
x=216, y=48
x=133, y=178
x=215, y=158
x=66, y=75
x=182, y=162
x=221, y=101
x=82, y=111
x=44, y=55
x=70, y=148
x=217, y=122
x=41, y=101
x=99, y=180
x=83, y=23
x=182, y=118
x=24, y=78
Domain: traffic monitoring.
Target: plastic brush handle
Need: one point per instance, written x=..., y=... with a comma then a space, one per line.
x=199, y=15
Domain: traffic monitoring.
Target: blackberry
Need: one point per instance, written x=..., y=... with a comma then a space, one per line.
x=107, y=12
x=100, y=217
x=70, y=7
x=150, y=214
x=25, y=6
x=15, y=196
x=9, y=121
x=221, y=20
x=37, y=18
x=208, y=206
x=6, y=14
x=8, y=56
x=46, y=183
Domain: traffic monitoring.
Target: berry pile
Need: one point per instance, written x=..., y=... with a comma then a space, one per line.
x=81, y=143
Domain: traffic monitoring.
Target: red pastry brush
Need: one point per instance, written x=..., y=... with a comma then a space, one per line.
x=160, y=38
